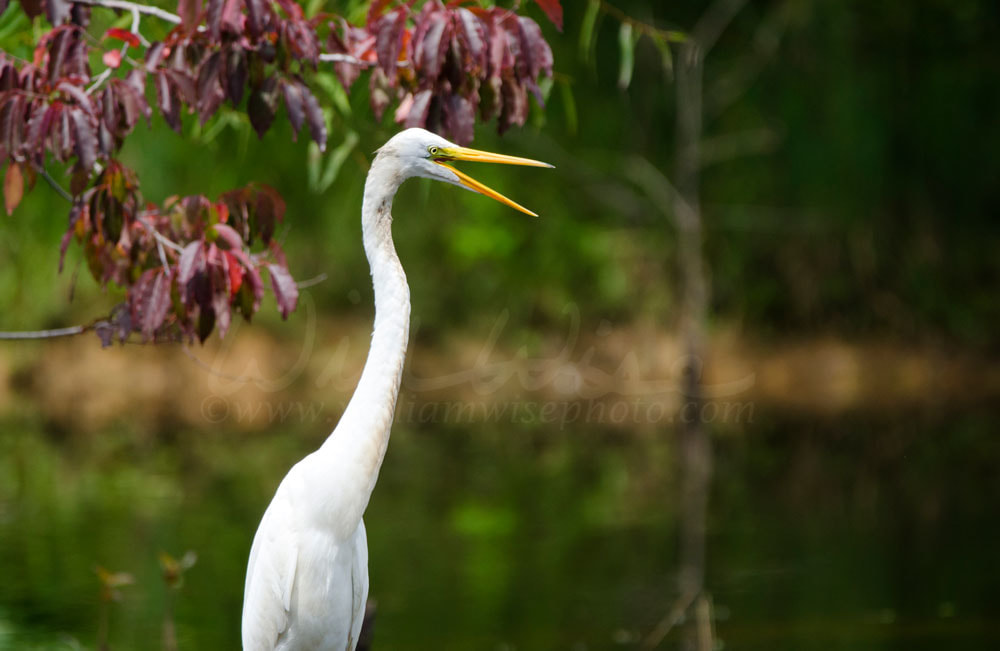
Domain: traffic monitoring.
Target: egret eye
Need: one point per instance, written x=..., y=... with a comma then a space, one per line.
x=433, y=151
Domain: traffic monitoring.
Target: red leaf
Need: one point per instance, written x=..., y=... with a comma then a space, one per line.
x=8, y=75
x=12, y=122
x=375, y=10
x=293, y=104
x=314, y=116
x=301, y=39
x=210, y=93
x=185, y=86
x=168, y=101
x=85, y=137
x=132, y=102
x=262, y=105
x=235, y=74
x=32, y=7
x=472, y=35
x=40, y=125
x=206, y=321
x=124, y=35
x=515, y=105
x=553, y=10
x=150, y=301
x=109, y=106
x=286, y=292
x=75, y=92
x=535, y=52
x=154, y=54
x=13, y=187
x=500, y=56
x=256, y=18
x=192, y=260
x=389, y=40
x=232, y=16
x=235, y=273
x=229, y=235
x=188, y=10
x=460, y=119
x=417, y=114
x=430, y=50
x=112, y=58
x=214, y=17
x=355, y=42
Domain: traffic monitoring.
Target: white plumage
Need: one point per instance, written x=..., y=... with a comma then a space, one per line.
x=307, y=578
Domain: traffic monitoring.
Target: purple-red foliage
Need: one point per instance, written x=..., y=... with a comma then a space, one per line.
x=186, y=266
x=443, y=63
x=181, y=291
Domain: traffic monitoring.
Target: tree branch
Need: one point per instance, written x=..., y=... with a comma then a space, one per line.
x=162, y=14
x=671, y=35
x=45, y=334
x=133, y=7
x=60, y=190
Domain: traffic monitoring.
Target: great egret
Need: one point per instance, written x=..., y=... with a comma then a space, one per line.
x=307, y=579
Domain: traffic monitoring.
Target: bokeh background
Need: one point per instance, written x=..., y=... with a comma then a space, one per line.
x=531, y=496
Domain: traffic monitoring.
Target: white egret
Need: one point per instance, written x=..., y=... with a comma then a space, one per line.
x=307, y=579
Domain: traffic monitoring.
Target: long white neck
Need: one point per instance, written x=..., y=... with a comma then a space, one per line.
x=357, y=445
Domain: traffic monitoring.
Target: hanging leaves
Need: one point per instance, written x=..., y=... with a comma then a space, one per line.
x=445, y=61
x=183, y=264
x=189, y=264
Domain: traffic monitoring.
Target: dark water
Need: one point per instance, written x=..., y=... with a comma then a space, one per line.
x=874, y=531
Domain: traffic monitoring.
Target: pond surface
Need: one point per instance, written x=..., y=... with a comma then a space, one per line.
x=871, y=531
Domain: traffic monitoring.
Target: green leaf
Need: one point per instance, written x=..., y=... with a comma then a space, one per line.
x=335, y=161
x=569, y=107
x=626, y=43
x=588, y=29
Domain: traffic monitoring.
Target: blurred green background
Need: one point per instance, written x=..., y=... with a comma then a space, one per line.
x=849, y=202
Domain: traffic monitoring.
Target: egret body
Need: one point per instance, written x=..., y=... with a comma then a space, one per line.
x=307, y=578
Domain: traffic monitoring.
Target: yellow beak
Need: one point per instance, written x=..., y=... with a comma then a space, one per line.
x=464, y=153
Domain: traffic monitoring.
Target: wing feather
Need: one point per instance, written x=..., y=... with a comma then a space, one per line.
x=267, y=597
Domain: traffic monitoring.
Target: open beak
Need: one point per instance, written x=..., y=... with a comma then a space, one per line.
x=464, y=153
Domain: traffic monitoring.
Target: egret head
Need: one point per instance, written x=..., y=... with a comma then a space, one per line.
x=418, y=152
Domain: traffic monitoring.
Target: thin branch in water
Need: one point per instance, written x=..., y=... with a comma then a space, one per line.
x=672, y=618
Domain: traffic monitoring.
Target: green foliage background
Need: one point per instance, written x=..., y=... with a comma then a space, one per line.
x=870, y=213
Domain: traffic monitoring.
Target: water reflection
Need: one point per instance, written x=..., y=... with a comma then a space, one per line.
x=871, y=531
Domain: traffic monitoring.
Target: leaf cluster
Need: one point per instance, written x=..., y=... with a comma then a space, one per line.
x=188, y=264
